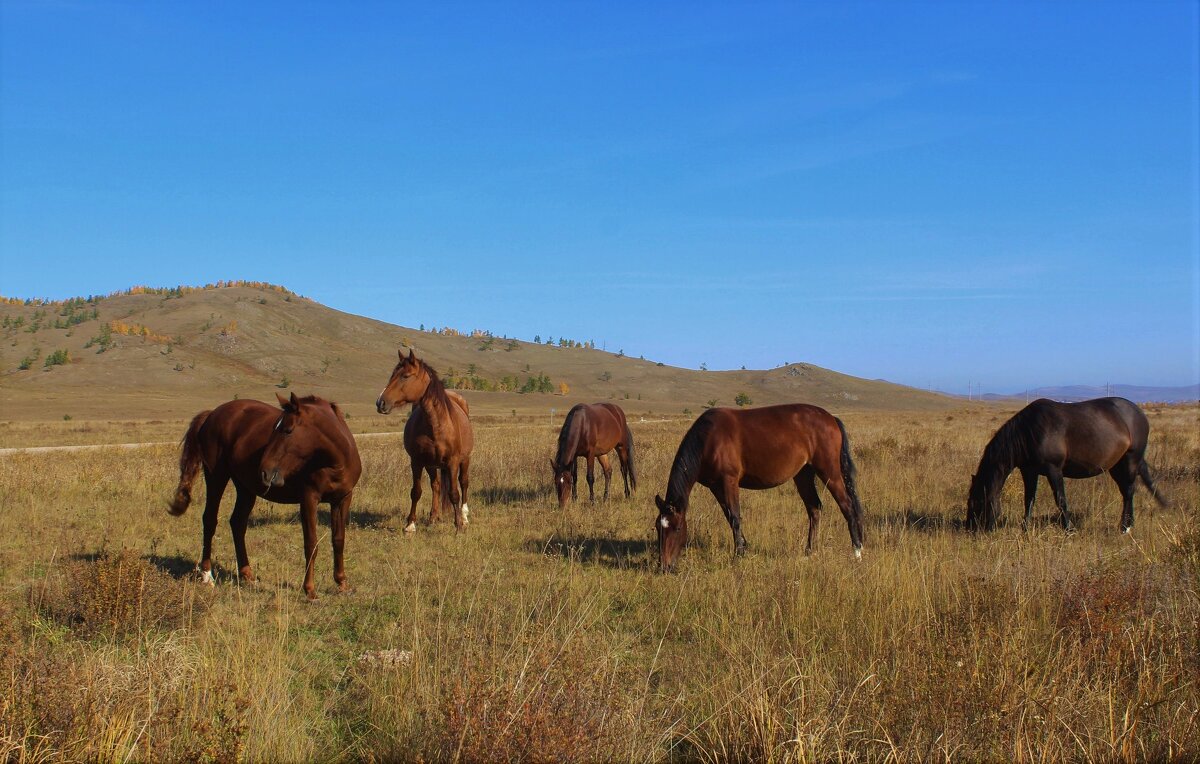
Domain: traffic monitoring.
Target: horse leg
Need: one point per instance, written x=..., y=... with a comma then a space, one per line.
x=435, y=487
x=1125, y=474
x=623, y=464
x=806, y=486
x=451, y=476
x=606, y=468
x=1055, y=476
x=214, y=487
x=464, y=480
x=575, y=479
x=591, y=478
x=726, y=494
x=1030, y=477
x=308, y=521
x=410, y=525
x=339, y=513
x=237, y=523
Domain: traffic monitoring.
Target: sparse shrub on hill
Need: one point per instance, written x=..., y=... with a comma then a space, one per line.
x=742, y=399
x=57, y=358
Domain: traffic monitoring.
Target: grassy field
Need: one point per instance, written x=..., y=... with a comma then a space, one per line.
x=541, y=635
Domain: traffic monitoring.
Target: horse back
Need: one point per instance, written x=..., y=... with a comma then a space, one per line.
x=768, y=446
x=235, y=435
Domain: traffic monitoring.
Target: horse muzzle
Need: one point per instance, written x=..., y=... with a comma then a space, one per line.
x=271, y=479
x=382, y=406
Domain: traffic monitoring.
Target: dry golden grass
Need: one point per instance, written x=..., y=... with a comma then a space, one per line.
x=541, y=635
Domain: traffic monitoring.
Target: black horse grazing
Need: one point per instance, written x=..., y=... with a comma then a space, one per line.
x=1075, y=440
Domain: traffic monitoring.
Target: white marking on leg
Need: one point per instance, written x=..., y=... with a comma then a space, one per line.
x=858, y=553
x=206, y=577
x=1127, y=531
x=466, y=513
x=411, y=528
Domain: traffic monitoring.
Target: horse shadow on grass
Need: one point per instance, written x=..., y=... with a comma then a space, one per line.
x=359, y=518
x=505, y=494
x=174, y=565
x=622, y=554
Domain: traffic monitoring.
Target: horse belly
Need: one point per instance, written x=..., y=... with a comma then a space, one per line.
x=1077, y=470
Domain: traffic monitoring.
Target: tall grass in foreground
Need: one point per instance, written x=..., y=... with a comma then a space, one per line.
x=542, y=635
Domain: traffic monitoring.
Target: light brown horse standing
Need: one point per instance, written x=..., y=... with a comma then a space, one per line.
x=437, y=436
x=592, y=431
x=304, y=454
x=727, y=449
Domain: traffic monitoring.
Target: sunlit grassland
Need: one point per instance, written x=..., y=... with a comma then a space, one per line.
x=547, y=635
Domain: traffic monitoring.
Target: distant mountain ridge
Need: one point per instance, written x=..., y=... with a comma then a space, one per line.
x=1072, y=393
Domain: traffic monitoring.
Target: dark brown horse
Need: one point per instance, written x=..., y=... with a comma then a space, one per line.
x=1075, y=440
x=727, y=449
x=592, y=431
x=302, y=455
x=437, y=436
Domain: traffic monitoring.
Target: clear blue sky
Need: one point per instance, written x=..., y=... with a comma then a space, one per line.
x=932, y=193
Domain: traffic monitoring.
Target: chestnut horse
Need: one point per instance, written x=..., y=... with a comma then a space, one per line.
x=727, y=449
x=1075, y=440
x=303, y=455
x=437, y=436
x=592, y=431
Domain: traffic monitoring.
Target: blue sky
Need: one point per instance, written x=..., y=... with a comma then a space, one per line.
x=931, y=193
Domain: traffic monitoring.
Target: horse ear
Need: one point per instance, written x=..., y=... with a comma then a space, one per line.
x=284, y=403
x=411, y=357
x=295, y=403
x=553, y=466
x=662, y=505
x=400, y=353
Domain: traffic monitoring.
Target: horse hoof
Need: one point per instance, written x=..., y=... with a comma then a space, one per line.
x=410, y=528
x=1127, y=531
x=206, y=577
x=858, y=553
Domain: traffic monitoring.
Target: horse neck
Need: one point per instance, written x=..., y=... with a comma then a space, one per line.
x=1001, y=456
x=437, y=407
x=685, y=471
x=568, y=440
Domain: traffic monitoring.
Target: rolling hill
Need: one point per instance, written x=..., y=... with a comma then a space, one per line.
x=166, y=353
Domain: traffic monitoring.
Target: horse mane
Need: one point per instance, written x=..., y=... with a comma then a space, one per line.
x=686, y=468
x=436, y=389
x=1013, y=443
x=568, y=436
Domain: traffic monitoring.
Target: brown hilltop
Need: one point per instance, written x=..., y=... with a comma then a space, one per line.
x=168, y=353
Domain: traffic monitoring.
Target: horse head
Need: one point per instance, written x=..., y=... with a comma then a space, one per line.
x=407, y=384
x=671, y=526
x=982, y=505
x=563, y=482
x=288, y=450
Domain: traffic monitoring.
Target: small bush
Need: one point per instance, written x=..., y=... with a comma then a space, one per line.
x=119, y=594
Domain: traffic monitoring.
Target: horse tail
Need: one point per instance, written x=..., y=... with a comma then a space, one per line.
x=629, y=457
x=1148, y=481
x=849, y=472
x=189, y=465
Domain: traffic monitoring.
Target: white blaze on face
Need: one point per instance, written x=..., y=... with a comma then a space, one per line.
x=664, y=522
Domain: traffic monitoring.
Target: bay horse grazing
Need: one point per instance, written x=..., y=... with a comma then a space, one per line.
x=304, y=454
x=592, y=431
x=437, y=436
x=1075, y=440
x=727, y=449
